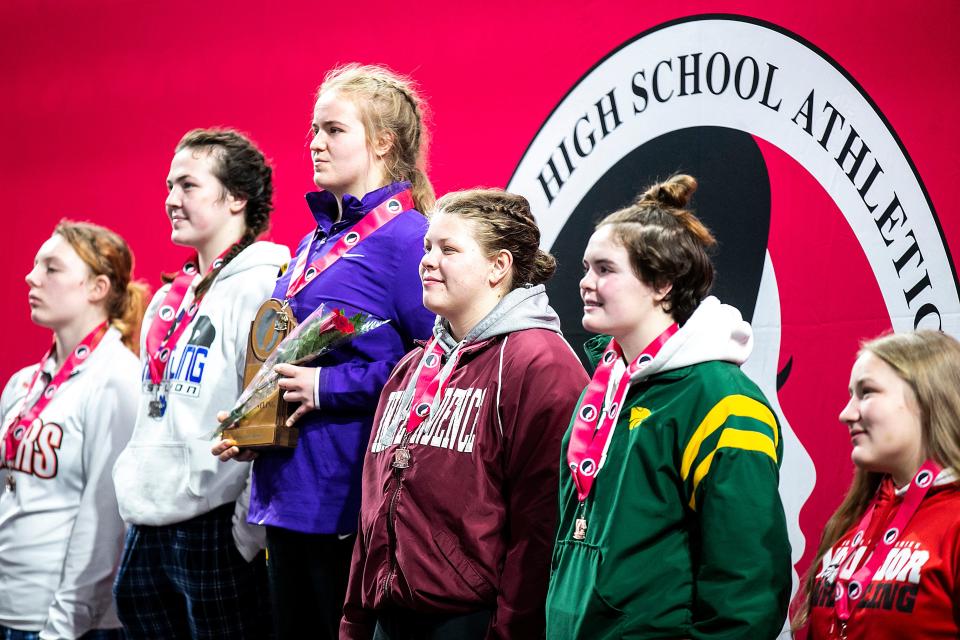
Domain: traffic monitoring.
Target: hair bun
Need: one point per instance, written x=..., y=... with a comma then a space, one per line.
x=675, y=192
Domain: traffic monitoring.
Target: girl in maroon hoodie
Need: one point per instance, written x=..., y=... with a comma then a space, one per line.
x=460, y=476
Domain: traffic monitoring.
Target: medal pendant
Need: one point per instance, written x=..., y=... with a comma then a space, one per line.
x=580, y=529
x=157, y=407
x=401, y=458
x=11, y=483
x=281, y=323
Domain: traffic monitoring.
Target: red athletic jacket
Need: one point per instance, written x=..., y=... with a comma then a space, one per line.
x=470, y=524
x=915, y=592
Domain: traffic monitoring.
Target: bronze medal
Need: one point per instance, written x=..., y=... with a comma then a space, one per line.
x=580, y=529
x=401, y=458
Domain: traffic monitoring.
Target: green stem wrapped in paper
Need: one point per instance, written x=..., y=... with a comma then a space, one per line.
x=321, y=332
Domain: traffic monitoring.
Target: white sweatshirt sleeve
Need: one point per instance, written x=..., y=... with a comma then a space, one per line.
x=96, y=540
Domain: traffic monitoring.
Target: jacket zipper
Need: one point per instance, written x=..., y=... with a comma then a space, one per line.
x=391, y=517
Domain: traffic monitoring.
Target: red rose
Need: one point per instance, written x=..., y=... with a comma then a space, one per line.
x=341, y=323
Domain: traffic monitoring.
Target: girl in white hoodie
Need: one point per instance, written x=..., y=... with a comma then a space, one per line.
x=191, y=565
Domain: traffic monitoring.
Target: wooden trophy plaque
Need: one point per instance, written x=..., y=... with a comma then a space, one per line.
x=266, y=426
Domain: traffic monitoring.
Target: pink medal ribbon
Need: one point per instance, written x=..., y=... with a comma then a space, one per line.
x=589, y=438
x=848, y=592
x=167, y=326
x=19, y=426
x=427, y=388
x=367, y=226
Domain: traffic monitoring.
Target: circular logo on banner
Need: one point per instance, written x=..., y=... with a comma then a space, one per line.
x=166, y=313
x=588, y=412
x=164, y=354
x=190, y=268
x=854, y=590
x=82, y=352
x=351, y=238
x=757, y=115
x=609, y=357
x=924, y=478
x=422, y=410
x=49, y=391
x=431, y=361
x=588, y=467
x=891, y=535
x=310, y=274
x=394, y=206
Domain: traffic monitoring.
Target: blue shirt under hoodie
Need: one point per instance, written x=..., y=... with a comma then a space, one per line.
x=315, y=488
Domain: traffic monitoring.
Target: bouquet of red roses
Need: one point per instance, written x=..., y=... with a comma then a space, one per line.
x=321, y=332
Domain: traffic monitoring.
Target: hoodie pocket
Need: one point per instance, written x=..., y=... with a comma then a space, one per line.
x=449, y=546
x=152, y=482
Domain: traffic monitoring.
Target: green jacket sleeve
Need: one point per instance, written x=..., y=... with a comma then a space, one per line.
x=743, y=578
x=739, y=539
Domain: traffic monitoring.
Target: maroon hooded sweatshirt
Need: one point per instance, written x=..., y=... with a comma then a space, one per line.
x=469, y=525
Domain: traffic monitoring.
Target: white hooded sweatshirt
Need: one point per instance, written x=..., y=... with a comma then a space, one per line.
x=167, y=474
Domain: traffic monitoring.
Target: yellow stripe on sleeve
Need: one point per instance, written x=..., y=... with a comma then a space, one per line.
x=733, y=439
x=735, y=405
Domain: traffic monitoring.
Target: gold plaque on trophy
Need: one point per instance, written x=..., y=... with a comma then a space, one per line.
x=266, y=425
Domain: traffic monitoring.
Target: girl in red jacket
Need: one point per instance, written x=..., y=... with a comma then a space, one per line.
x=460, y=476
x=887, y=566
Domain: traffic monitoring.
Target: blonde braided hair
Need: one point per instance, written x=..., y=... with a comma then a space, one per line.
x=504, y=220
x=389, y=105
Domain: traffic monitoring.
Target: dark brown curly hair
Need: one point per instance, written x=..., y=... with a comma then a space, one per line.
x=667, y=244
x=245, y=174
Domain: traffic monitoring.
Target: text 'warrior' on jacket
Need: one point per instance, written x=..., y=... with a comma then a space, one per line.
x=915, y=592
x=167, y=474
x=315, y=488
x=686, y=535
x=469, y=525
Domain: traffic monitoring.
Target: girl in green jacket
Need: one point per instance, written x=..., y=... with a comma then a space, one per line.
x=671, y=525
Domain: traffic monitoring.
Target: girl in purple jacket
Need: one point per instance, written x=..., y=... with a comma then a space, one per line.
x=361, y=255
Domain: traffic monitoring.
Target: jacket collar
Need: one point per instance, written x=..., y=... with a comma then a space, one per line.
x=323, y=205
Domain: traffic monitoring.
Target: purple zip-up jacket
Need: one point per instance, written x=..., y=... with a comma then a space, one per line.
x=315, y=488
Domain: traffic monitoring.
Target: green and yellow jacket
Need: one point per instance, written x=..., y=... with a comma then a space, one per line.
x=686, y=535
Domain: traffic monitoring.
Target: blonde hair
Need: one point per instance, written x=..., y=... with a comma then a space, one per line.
x=107, y=254
x=504, y=221
x=929, y=362
x=389, y=105
x=667, y=244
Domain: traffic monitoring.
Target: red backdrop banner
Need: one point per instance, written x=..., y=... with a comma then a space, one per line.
x=96, y=95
